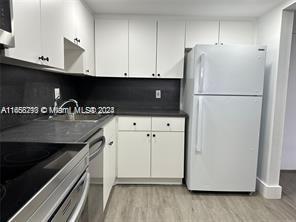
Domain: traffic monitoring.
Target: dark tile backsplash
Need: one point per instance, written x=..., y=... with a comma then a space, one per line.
x=28, y=87
x=125, y=94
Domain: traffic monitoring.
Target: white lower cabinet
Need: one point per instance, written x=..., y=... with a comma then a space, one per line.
x=167, y=154
x=109, y=159
x=157, y=154
x=134, y=154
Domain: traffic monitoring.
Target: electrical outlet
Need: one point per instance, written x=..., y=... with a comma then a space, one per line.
x=57, y=94
x=158, y=94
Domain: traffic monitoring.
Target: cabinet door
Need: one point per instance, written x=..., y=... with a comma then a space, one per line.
x=81, y=21
x=142, y=48
x=107, y=186
x=170, y=49
x=201, y=32
x=69, y=19
x=109, y=159
x=237, y=32
x=86, y=35
x=52, y=40
x=167, y=155
x=89, y=57
x=27, y=31
x=111, y=40
x=134, y=154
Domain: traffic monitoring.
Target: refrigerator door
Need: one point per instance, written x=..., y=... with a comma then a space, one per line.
x=223, y=143
x=229, y=70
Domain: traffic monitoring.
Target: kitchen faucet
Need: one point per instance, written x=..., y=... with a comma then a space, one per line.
x=56, y=107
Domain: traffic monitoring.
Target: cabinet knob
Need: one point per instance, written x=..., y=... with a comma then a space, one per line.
x=158, y=74
x=222, y=43
x=168, y=124
x=46, y=59
x=153, y=74
x=125, y=74
x=153, y=135
x=111, y=143
x=134, y=124
x=148, y=135
x=41, y=58
x=216, y=43
x=77, y=40
x=87, y=70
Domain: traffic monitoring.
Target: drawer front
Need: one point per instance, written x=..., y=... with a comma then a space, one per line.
x=134, y=123
x=167, y=124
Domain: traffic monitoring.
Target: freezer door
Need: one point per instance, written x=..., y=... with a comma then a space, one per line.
x=229, y=70
x=222, y=153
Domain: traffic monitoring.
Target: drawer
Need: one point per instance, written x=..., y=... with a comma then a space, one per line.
x=134, y=123
x=167, y=124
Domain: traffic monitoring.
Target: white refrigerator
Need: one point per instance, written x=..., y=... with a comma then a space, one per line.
x=223, y=89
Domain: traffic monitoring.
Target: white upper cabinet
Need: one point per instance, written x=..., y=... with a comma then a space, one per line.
x=111, y=38
x=201, y=32
x=237, y=32
x=170, y=49
x=27, y=31
x=76, y=20
x=69, y=19
x=81, y=21
x=52, y=42
x=36, y=41
x=86, y=33
x=79, y=30
x=142, y=48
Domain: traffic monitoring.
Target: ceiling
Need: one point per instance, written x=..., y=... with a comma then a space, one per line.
x=244, y=8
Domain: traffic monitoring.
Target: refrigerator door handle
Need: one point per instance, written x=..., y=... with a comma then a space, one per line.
x=202, y=72
x=198, y=147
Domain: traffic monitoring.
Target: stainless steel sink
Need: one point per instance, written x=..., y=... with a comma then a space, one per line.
x=74, y=117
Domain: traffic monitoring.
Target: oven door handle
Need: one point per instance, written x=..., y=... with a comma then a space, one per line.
x=80, y=206
x=92, y=143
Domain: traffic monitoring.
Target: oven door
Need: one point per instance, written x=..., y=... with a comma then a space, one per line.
x=6, y=24
x=93, y=210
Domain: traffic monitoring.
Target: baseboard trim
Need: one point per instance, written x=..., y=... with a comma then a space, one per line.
x=164, y=181
x=269, y=191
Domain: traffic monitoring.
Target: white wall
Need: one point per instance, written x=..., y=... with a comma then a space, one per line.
x=289, y=144
x=269, y=30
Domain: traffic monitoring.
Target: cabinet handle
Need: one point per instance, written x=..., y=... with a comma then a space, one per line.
x=168, y=124
x=153, y=135
x=111, y=143
x=158, y=74
x=41, y=58
x=134, y=124
x=148, y=135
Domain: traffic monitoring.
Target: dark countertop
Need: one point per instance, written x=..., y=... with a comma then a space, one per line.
x=53, y=131
x=70, y=131
x=168, y=113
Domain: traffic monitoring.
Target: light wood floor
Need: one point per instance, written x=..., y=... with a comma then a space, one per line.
x=140, y=203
